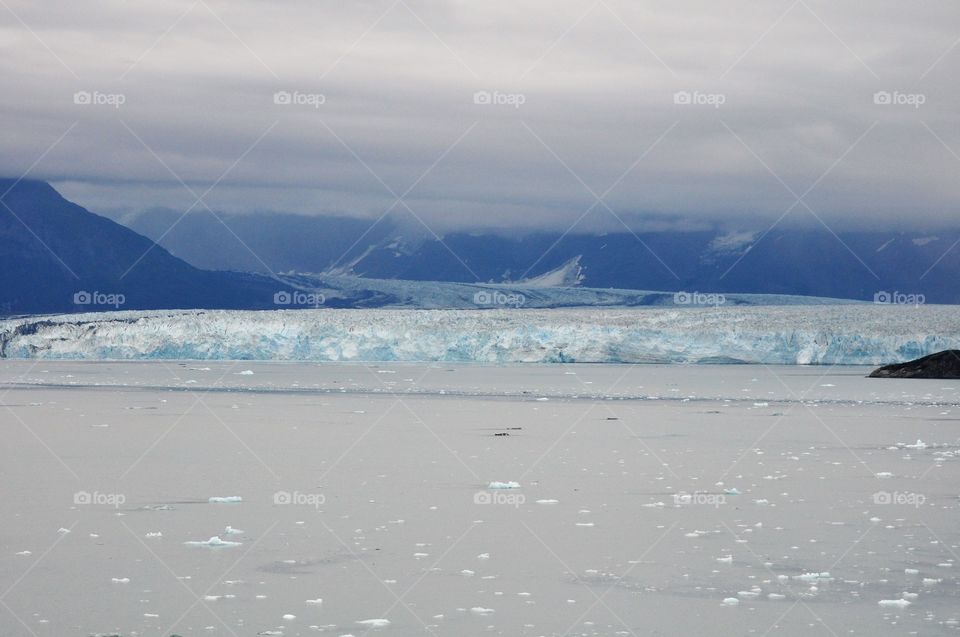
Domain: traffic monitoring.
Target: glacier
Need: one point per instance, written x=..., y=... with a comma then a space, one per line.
x=858, y=334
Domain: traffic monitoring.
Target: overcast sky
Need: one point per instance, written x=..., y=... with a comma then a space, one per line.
x=588, y=117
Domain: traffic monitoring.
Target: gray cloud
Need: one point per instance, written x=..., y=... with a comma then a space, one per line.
x=597, y=83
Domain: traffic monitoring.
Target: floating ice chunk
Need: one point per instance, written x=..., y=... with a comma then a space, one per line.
x=503, y=485
x=24, y=553
x=883, y=474
x=120, y=580
x=731, y=601
x=375, y=623
x=480, y=610
x=314, y=602
x=775, y=596
x=917, y=445
x=726, y=559
x=911, y=596
x=289, y=617
x=232, y=531
x=154, y=534
x=63, y=531
x=225, y=499
x=214, y=541
x=894, y=603
x=911, y=571
x=483, y=556
x=732, y=491
x=548, y=501
x=246, y=372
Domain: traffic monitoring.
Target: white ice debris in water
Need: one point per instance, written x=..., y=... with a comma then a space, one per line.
x=483, y=556
x=246, y=372
x=895, y=603
x=154, y=534
x=214, y=541
x=225, y=499
x=730, y=601
x=315, y=602
x=726, y=559
x=120, y=580
x=548, y=501
x=63, y=531
x=374, y=623
x=289, y=617
x=918, y=445
x=503, y=485
x=25, y=553
x=480, y=610
x=232, y=531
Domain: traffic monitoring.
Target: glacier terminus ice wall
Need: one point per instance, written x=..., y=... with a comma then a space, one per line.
x=842, y=334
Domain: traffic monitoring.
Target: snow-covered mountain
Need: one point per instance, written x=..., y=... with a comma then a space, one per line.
x=780, y=260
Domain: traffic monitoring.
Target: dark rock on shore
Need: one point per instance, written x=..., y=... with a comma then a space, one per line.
x=945, y=364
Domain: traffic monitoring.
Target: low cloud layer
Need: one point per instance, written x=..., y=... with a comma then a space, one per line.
x=462, y=115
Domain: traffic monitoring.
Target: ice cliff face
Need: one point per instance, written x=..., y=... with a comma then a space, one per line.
x=847, y=334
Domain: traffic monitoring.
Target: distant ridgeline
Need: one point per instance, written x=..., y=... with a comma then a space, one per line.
x=56, y=257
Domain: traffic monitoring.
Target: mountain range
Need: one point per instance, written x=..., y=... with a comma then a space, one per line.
x=815, y=261
x=56, y=256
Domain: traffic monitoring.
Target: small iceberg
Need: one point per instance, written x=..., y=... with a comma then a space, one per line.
x=894, y=603
x=225, y=499
x=503, y=485
x=214, y=541
x=374, y=623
